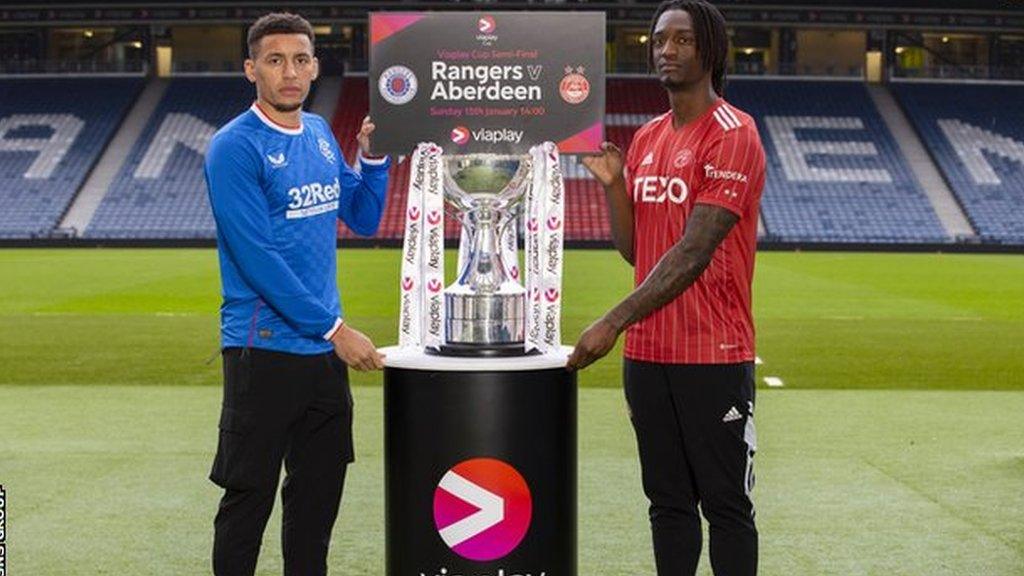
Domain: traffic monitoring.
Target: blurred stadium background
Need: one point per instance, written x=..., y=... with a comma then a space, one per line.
x=891, y=437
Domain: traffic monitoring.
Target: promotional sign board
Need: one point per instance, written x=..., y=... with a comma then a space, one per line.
x=498, y=82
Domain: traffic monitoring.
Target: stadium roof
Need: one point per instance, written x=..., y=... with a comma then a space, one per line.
x=988, y=5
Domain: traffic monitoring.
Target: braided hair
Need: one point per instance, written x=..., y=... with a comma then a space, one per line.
x=710, y=32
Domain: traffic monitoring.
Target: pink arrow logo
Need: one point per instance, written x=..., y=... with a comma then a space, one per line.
x=532, y=225
x=482, y=509
x=434, y=218
x=514, y=272
x=434, y=285
x=535, y=295
x=554, y=223
x=460, y=135
x=407, y=283
x=486, y=24
x=414, y=213
x=551, y=295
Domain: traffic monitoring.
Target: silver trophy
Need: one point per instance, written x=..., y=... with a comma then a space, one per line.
x=484, y=307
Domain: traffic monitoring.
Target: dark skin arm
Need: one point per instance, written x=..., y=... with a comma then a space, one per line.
x=677, y=270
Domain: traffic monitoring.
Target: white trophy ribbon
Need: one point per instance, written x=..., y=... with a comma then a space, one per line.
x=410, y=322
x=545, y=224
x=433, y=251
x=553, y=246
x=423, y=253
x=510, y=248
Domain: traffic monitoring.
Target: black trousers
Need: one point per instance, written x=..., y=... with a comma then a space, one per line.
x=695, y=434
x=280, y=408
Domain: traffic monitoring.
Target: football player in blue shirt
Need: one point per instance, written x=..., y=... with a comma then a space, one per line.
x=277, y=184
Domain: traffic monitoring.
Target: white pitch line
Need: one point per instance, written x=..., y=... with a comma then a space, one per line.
x=773, y=381
x=157, y=314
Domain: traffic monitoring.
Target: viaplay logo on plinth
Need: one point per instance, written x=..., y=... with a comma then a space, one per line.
x=482, y=509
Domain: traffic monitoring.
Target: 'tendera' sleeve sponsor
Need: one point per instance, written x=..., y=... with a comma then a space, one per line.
x=731, y=170
x=243, y=218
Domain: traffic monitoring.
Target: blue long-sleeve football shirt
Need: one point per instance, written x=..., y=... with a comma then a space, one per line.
x=276, y=194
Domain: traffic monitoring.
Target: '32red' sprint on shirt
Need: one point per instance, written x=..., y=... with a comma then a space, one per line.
x=716, y=159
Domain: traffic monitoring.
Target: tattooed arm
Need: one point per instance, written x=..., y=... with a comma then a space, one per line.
x=679, y=268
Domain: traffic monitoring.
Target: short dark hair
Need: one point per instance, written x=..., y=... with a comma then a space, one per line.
x=710, y=32
x=277, y=23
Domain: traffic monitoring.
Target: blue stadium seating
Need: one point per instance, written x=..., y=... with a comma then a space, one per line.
x=161, y=192
x=52, y=132
x=975, y=133
x=835, y=173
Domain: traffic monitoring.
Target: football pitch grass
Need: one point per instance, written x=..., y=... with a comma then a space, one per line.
x=894, y=447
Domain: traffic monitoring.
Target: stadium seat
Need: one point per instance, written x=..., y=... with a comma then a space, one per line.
x=975, y=133
x=835, y=172
x=160, y=192
x=52, y=132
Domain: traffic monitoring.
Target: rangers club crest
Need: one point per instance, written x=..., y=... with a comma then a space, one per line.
x=325, y=149
x=397, y=85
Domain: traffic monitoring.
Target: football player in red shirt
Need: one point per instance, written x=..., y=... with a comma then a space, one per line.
x=684, y=210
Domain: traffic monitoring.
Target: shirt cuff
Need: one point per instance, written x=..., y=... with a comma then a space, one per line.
x=334, y=329
x=372, y=161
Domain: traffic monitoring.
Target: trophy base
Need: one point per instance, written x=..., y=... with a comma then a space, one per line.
x=508, y=350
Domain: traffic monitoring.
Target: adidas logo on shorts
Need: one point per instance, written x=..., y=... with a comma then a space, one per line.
x=732, y=414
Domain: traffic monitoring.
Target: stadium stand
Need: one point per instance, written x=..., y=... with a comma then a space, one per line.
x=160, y=192
x=835, y=173
x=52, y=132
x=975, y=133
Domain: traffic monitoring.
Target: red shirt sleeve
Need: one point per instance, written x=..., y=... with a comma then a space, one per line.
x=630, y=160
x=732, y=170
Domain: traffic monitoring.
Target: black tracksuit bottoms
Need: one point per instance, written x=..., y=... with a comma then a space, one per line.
x=695, y=433
x=288, y=408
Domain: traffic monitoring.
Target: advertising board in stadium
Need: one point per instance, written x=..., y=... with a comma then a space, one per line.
x=487, y=81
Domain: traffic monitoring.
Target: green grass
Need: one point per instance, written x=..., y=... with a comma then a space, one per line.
x=823, y=320
x=111, y=480
x=894, y=449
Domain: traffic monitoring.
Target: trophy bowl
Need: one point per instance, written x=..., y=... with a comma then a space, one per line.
x=485, y=308
x=472, y=180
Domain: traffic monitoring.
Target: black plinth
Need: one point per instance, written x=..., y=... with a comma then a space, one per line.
x=480, y=465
